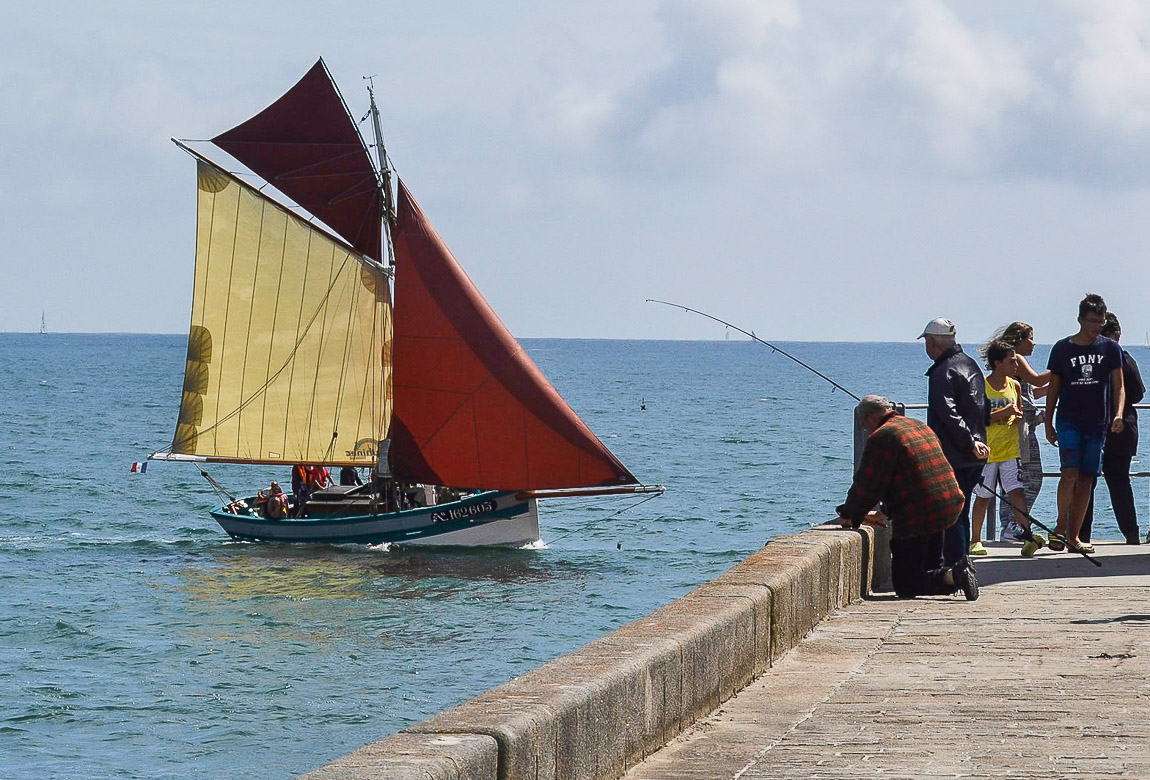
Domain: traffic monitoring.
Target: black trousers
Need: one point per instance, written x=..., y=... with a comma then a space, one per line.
x=917, y=567
x=957, y=537
x=1116, y=470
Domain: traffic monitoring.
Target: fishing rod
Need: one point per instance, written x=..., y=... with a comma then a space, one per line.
x=1053, y=534
x=765, y=343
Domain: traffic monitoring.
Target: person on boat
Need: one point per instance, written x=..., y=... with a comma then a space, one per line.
x=298, y=480
x=1120, y=448
x=958, y=414
x=1003, y=394
x=904, y=467
x=1032, y=386
x=318, y=477
x=1088, y=394
x=276, y=507
x=349, y=476
x=305, y=480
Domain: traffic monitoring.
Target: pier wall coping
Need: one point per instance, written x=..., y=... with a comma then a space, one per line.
x=600, y=709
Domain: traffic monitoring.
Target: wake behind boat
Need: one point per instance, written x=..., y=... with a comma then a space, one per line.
x=297, y=356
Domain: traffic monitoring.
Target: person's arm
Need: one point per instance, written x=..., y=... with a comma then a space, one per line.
x=944, y=389
x=1012, y=409
x=1027, y=374
x=1052, y=392
x=876, y=468
x=1132, y=379
x=1005, y=413
x=1118, y=400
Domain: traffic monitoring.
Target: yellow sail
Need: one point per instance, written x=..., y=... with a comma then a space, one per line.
x=289, y=354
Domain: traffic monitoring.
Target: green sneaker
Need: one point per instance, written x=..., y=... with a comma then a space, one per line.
x=976, y=548
x=1032, y=546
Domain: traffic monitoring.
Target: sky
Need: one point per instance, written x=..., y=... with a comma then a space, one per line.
x=819, y=171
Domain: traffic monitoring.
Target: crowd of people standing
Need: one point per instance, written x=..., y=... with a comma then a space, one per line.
x=935, y=482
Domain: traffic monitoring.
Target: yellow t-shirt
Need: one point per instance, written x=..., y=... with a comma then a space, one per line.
x=1002, y=436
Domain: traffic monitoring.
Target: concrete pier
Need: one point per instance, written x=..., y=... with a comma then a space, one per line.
x=780, y=668
x=599, y=710
x=1046, y=675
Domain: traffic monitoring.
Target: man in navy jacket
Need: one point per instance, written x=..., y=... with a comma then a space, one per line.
x=957, y=413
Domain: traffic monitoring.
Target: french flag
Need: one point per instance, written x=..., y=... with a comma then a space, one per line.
x=139, y=467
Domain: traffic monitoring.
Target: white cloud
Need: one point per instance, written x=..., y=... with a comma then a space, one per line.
x=964, y=82
x=1110, y=76
x=721, y=93
x=578, y=113
x=720, y=27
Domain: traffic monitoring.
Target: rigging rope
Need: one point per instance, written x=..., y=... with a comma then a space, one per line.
x=221, y=491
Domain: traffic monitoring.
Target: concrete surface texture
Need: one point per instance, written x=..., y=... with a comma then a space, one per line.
x=599, y=710
x=1046, y=675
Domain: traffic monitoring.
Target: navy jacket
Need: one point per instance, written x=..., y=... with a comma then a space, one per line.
x=957, y=411
x=1126, y=443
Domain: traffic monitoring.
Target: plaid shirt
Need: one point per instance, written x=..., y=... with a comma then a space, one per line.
x=903, y=466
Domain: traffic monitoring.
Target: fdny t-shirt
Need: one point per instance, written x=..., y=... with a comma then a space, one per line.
x=1084, y=400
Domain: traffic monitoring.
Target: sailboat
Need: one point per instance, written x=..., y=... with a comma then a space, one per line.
x=297, y=356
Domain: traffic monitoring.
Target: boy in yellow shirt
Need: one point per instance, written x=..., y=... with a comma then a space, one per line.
x=1003, y=465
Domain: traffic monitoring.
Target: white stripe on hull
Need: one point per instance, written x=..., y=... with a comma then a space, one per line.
x=512, y=532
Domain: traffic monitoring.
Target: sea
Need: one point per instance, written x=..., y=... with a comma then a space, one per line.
x=138, y=641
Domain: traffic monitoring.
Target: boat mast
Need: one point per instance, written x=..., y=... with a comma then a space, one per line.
x=384, y=171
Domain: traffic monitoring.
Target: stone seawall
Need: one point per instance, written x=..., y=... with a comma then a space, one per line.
x=595, y=712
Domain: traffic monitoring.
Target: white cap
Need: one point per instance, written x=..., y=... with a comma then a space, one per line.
x=939, y=326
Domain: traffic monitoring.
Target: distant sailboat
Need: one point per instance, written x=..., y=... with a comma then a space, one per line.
x=296, y=355
x=43, y=323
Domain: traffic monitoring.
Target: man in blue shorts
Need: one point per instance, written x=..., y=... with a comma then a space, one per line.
x=1087, y=391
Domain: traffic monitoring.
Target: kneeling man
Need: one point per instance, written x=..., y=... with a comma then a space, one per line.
x=903, y=467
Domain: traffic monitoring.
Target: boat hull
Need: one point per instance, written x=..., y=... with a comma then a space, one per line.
x=489, y=519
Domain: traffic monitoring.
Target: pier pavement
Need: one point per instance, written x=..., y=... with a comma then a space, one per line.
x=1046, y=675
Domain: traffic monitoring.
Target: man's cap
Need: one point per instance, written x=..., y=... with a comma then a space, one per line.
x=939, y=326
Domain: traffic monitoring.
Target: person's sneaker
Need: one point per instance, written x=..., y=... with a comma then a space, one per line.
x=965, y=579
x=1013, y=533
x=1032, y=545
x=976, y=548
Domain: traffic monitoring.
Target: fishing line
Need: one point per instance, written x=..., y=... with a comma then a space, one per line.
x=1053, y=534
x=784, y=353
x=765, y=343
x=601, y=519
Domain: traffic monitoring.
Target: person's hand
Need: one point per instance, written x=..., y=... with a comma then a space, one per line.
x=1051, y=434
x=1117, y=424
x=875, y=518
x=981, y=450
x=845, y=522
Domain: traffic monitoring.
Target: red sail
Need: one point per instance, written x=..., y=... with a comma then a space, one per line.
x=471, y=408
x=307, y=145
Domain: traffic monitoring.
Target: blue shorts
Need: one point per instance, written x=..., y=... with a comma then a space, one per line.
x=1077, y=450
